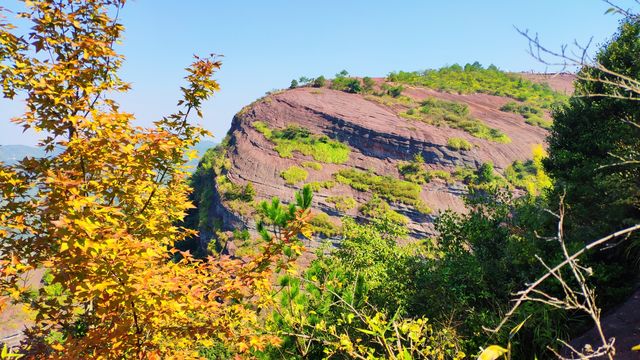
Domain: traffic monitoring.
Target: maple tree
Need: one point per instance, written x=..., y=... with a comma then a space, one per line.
x=100, y=211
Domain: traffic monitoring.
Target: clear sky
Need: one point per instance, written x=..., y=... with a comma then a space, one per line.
x=267, y=43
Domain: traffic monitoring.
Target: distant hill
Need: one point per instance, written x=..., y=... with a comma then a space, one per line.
x=201, y=148
x=10, y=154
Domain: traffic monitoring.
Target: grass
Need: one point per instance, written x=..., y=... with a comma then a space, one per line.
x=312, y=165
x=533, y=115
x=439, y=174
x=387, y=187
x=342, y=203
x=318, y=185
x=390, y=101
x=413, y=171
x=473, y=78
x=456, y=143
x=294, y=175
x=378, y=208
x=456, y=115
x=294, y=138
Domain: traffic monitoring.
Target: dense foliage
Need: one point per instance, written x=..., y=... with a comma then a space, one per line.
x=532, y=114
x=592, y=134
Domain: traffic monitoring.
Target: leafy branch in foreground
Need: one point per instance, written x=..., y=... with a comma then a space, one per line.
x=99, y=214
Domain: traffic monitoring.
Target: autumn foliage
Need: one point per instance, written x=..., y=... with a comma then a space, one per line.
x=99, y=212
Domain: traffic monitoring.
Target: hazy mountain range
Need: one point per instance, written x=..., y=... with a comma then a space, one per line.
x=10, y=154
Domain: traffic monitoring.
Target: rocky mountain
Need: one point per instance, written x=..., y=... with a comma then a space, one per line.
x=409, y=145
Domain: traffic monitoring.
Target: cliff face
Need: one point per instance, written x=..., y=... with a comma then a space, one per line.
x=378, y=140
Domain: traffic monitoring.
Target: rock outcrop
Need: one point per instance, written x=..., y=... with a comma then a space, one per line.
x=378, y=139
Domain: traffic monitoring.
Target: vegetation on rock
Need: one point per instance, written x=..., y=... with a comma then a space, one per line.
x=294, y=175
x=343, y=203
x=474, y=78
x=456, y=143
x=456, y=115
x=294, y=138
x=387, y=187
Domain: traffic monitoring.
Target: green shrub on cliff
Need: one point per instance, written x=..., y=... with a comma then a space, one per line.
x=378, y=208
x=413, y=170
x=312, y=165
x=294, y=175
x=322, y=224
x=456, y=143
x=342, y=203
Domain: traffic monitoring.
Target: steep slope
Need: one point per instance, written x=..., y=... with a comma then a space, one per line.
x=382, y=134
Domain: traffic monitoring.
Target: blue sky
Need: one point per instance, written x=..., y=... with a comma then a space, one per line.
x=267, y=43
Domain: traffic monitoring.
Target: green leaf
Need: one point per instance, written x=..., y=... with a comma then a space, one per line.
x=406, y=355
x=515, y=330
x=368, y=332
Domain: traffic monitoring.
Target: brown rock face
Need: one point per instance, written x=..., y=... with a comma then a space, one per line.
x=378, y=139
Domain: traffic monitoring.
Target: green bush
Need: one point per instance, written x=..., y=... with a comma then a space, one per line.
x=350, y=85
x=367, y=85
x=294, y=84
x=231, y=191
x=413, y=170
x=318, y=185
x=294, y=138
x=322, y=224
x=482, y=178
x=342, y=203
x=395, y=91
x=376, y=207
x=456, y=143
x=389, y=101
x=320, y=81
x=438, y=174
x=294, y=175
x=529, y=175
